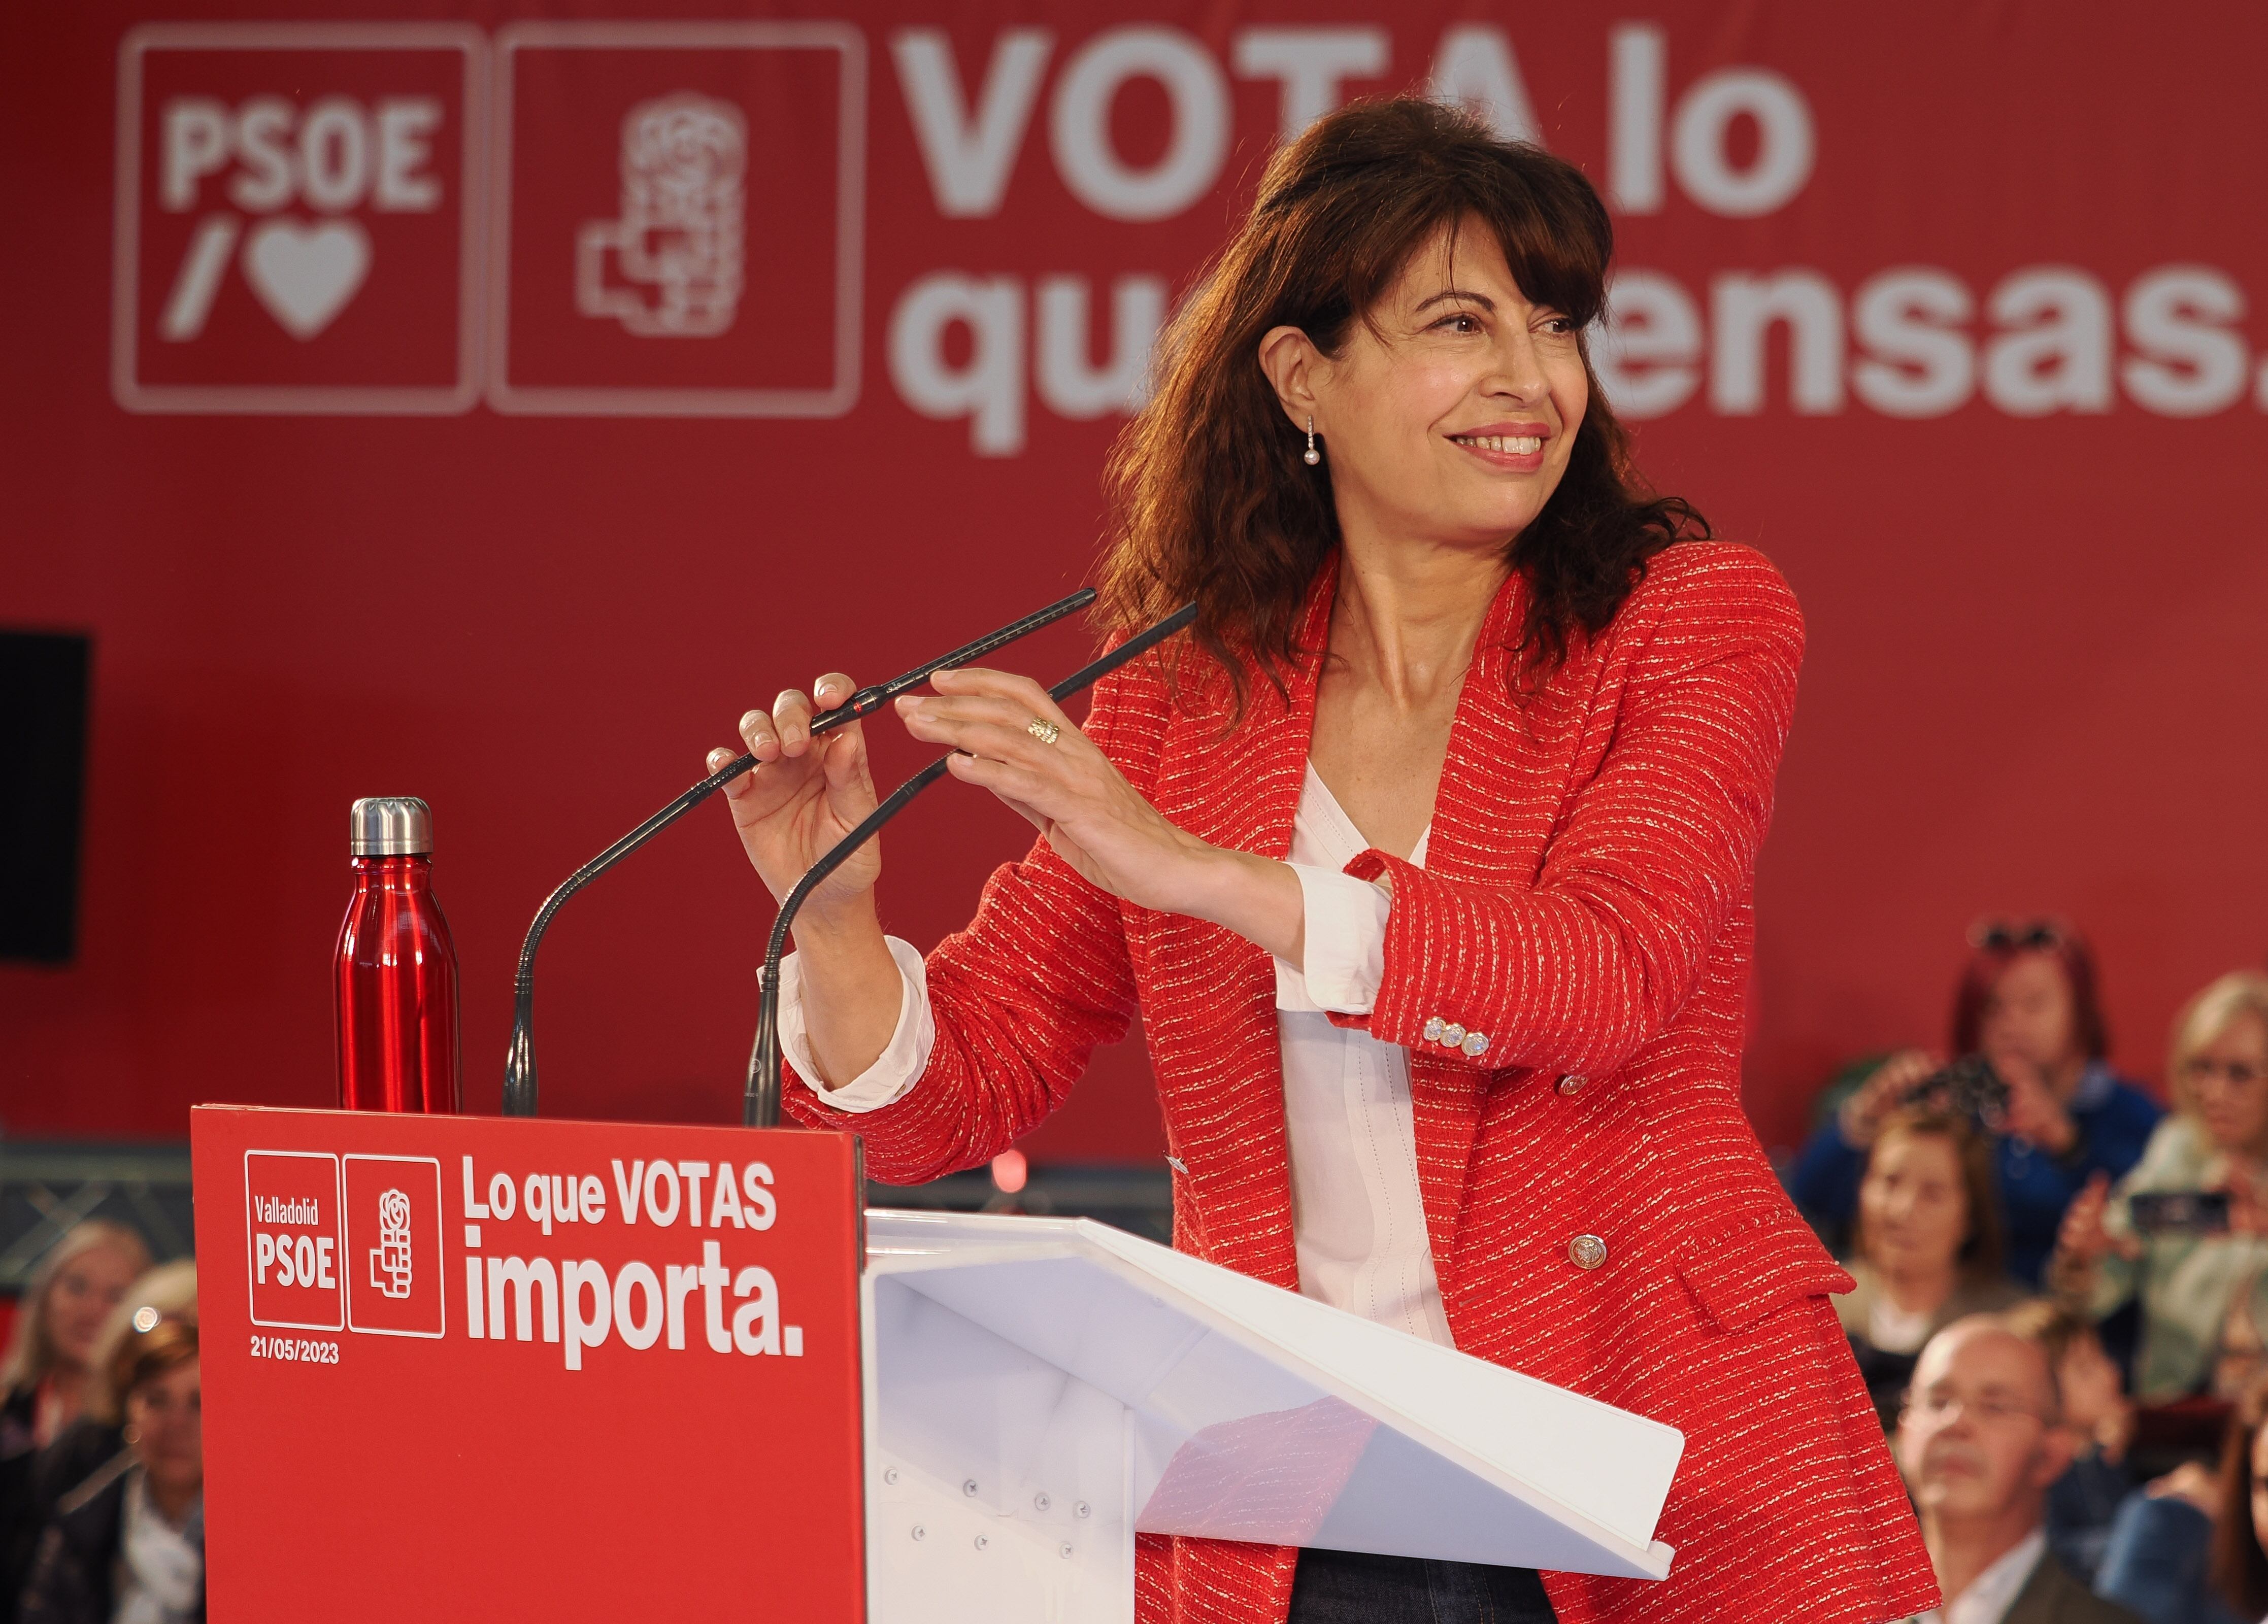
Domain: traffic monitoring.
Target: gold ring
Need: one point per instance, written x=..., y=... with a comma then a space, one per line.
x=1046, y=732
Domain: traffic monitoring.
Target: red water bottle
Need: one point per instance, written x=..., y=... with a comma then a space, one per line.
x=397, y=968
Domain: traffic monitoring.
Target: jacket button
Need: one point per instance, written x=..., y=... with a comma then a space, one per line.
x=1475, y=1044
x=1433, y=1030
x=1573, y=1085
x=1586, y=1251
x=1453, y=1036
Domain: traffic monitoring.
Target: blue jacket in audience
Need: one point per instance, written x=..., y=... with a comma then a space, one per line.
x=2114, y=1119
x=2159, y=1563
x=2082, y=1506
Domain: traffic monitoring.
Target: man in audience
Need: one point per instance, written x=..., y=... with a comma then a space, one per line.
x=1980, y=1442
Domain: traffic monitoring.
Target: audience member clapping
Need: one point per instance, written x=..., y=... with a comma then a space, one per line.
x=48, y=1375
x=1927, y=1247
x=2026, y=1002
x=127, y=1546
x=1980, y=1441
x=2188, y=1259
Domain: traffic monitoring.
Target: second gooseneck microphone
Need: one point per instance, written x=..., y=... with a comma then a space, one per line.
x=760, y=1103
x=520, y=1059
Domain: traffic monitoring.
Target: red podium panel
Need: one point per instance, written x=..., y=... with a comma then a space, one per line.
x=468, y=1367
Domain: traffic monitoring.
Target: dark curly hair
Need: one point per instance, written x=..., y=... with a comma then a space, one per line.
x=1212, y=499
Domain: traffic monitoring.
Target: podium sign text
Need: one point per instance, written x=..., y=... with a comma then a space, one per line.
x=464, y=1367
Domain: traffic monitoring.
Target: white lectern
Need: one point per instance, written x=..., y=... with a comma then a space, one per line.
x=1038, y=1390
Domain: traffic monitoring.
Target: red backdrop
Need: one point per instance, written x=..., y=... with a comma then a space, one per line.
x=401, y=421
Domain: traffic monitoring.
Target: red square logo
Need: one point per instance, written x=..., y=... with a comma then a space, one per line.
x=678, y=218
x=298, y=218
x=392, y=1259
x=291, y=1206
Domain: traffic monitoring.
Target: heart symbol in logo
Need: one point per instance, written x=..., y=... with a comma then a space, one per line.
x=305, y=275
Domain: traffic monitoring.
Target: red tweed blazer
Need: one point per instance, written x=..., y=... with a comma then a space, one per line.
x=1585, y=903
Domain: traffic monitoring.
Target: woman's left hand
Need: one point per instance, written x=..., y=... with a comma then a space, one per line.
x=1097, y=821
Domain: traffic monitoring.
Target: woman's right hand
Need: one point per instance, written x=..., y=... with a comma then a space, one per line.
x=803, y=796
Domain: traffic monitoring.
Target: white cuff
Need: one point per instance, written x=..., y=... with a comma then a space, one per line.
x=1345, y=936
x=899, y=1065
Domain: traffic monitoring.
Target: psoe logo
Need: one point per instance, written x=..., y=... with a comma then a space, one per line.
x=676, y=218
x=392, y=1211
x=298, y=218
x=680, y=230
x=393, y=1268
x=291, y=1234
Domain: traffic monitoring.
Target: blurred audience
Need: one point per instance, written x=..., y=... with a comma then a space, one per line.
x=127, y=1546
x=2190, y=1262
x=2100, y=1418
x=2240, y=1563
x=46, y=1377
x=2242, y=1361
x=168, y=1291
x=2026, y=1002
x=1980, y=1441
x=1927, y=1247
x=2188, y=1550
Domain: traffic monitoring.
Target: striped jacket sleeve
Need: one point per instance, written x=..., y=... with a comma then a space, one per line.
x=1577, y=973
x=1021, y=998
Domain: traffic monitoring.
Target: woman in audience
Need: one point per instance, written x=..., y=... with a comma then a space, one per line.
x=2101, y=1419
x=2187, y=1549
x=45, y=1378
x=2241, y=1363
x=127, y=1546
x=168, y=1291
x=2026, y=1002
x=2187, y=1278
x=1928, y=1248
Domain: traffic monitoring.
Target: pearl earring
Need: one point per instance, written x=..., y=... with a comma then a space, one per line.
x=1313, y=456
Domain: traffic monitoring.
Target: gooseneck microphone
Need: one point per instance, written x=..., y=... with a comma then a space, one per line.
x=759, y=1105
x=519, y=1060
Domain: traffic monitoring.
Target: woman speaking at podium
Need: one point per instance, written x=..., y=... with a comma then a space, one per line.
x=1426, y=860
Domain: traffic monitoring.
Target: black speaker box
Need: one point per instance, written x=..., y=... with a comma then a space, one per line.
x=44, y=679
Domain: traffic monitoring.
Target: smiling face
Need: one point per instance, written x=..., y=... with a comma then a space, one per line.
x=1448, y=417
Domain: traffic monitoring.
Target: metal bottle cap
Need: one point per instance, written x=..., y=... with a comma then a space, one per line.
x=391, y=825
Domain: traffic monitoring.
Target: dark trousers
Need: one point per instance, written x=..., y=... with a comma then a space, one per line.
x=1341, y=1587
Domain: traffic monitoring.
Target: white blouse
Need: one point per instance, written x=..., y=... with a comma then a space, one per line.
x=1358, y=1221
